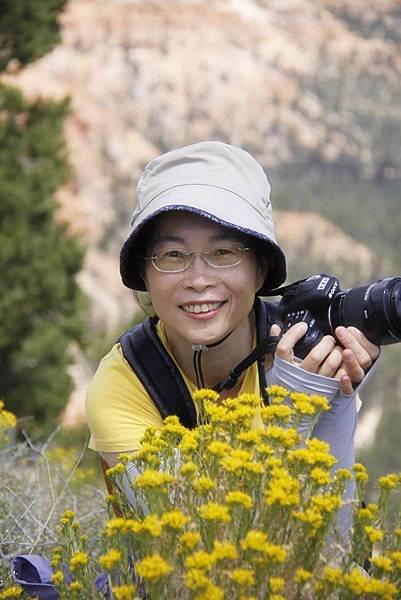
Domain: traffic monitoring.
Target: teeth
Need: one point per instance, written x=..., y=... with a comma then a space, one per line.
x=201, y=308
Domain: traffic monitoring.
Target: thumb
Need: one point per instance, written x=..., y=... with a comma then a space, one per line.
x=275, y=330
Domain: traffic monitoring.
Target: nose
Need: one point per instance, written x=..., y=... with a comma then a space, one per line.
x=199, y=274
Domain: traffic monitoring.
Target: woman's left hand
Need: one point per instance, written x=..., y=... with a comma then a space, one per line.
x=358, y=355
x=353, y=358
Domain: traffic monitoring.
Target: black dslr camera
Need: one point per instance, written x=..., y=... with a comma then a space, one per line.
x=375, y=309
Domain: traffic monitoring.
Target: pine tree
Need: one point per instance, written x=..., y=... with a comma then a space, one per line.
x=41, y=306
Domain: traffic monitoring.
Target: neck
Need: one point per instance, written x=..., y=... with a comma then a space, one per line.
x=217, y=361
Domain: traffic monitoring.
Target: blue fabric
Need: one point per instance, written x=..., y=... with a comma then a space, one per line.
x=34, y=574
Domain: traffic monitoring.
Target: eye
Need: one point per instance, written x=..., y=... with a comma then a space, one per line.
x=223, y=252
x=179, y=254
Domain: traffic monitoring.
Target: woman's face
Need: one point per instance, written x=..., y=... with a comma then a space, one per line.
x=202, y=304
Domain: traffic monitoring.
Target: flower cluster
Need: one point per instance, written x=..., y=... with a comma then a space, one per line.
x=8, y=422
x=240, y=507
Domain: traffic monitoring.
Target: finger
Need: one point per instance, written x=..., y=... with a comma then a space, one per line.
x=275, y=330
x=286, y=345
x=349, y=341
x=318, y=354
x=352, y=367
x=332, y=363
x=346, y=385
x=371, y=348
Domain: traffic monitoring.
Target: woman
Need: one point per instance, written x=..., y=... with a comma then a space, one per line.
x=203, y=245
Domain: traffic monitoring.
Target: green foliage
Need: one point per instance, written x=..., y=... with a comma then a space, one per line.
x=41, y=305
x=28, y=29
x=367, y=210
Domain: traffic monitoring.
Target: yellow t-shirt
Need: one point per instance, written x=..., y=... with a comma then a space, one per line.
x=119, y=409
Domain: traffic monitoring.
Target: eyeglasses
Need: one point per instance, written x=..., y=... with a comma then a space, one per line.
x=174, y=261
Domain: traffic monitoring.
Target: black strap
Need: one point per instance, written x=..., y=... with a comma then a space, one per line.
x=158, y=373
x=264, y=345
x=161, y=378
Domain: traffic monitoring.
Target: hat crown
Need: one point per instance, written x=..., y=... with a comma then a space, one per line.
x=212, y=164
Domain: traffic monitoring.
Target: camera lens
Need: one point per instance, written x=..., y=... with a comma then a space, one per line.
x=375, y=309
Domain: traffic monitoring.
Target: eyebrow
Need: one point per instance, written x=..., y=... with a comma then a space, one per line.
x=214, y=238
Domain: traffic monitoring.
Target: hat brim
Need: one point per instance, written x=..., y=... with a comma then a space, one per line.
x=225, y=207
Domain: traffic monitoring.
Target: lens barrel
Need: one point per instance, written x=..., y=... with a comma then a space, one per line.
x=375, y=309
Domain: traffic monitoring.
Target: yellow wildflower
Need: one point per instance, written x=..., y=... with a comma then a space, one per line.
x=203, y=484
x=217, y=448
x=212, y=511
x=118, y=469
x=302, y=576
x=320, y=476
x=343, y=474
x=172, y=426
x=211, y=591
x=382, y=589
x=196, y=579
x=188, y=468
x=277, y=390
x=254, y=467
x=359, y=468
x=189, y=443
x=78, y=559
x=265, y=449
x=250, y=399
x=361, y=477
x=204, y=395
x=356, y=582
x=108, y=561
x=67, y=517
x=389, y=482
x=249, y=437
x=282, y=490
x=150, y=478
x=223, y=551
x=7, y=419
x=152, y=525
x=241, y=415
x=58, y=577
x=153, y=567
x=115, y=525
x=332, y=575
x=310, y=516
x=374, y=535
x=284, y=437
x=75, y=587
x=254, y=540
x=11, y=592
x=124, y=592
x=277, y=411
x=124, y=458
x=216, y=414
x=175, y=519
x=320, y=402
x=189, y=539
x=382, y=562
x=257, y=541
x=327, y=504
x=276, y=584
x=310, y=456
x=244, y=577
x=396, y=558
x=237, y=497
x=200, y=560
x=302, y=403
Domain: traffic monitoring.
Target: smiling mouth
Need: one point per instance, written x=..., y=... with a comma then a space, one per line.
x=205, y=307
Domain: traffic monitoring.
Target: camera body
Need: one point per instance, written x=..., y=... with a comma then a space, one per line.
x=375, y=309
